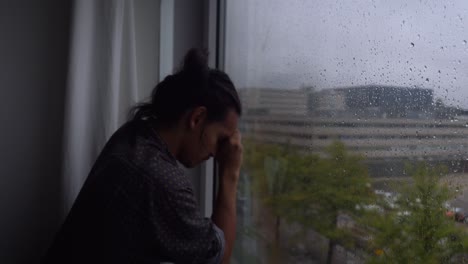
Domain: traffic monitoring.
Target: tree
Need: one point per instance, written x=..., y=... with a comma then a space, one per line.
x=338, y=183
x=418, y=230
x=307, y=189
x=273, y=169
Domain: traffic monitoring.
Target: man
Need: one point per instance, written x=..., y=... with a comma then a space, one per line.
x=137, y=206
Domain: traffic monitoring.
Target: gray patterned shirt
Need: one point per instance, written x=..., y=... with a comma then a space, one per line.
x=136, y=206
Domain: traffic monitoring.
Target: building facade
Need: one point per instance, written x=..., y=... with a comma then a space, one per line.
x=388, y=127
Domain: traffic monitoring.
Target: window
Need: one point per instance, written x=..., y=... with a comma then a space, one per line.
x=356, y=146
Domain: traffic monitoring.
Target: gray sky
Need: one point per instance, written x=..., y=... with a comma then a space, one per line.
x=333, y=43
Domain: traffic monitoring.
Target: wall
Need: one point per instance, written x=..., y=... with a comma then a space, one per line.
x=188, y=27
x=33, y=67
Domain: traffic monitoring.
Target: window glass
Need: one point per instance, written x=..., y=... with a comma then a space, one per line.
x=355, y=130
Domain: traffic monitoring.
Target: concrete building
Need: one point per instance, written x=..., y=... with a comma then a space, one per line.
x=387, y=143
x=269, y=101
x=374, y=101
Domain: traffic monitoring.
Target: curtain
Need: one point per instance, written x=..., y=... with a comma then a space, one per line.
x=114, y=63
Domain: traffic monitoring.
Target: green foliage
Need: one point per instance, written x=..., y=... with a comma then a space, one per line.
x=314, y=191
x=308, y=189
x=418, y=230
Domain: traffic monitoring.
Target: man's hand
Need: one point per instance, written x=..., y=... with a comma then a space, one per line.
x=229, y=155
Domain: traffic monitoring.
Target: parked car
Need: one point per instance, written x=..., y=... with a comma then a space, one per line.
x=458, y=214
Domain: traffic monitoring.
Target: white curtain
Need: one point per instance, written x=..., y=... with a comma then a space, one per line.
x=114, y=63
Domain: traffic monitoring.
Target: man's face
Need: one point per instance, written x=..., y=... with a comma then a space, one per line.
x=204, y=138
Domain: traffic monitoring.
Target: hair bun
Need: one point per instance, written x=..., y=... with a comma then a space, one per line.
x=196, y=63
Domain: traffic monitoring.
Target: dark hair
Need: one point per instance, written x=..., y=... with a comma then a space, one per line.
x=195, y=84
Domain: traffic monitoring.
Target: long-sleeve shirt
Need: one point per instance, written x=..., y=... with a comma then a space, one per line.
x=136, y=206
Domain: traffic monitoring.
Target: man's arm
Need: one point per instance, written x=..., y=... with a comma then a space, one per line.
x=224, y=215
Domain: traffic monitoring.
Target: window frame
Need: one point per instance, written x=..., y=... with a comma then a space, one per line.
x=215, y=43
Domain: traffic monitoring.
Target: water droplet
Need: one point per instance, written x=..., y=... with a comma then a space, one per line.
x=427, y=79
x=412, y=44
x=465, y=42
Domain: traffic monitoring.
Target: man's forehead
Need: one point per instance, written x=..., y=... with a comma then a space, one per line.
x=232, y=118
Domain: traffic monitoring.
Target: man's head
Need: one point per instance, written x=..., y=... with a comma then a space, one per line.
x=200, y=103
x=203, y=137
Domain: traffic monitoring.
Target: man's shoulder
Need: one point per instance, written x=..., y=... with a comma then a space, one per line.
x=136, y=145
x=156, y=164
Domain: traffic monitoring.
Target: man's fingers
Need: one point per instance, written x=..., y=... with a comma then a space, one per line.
x=236, y=137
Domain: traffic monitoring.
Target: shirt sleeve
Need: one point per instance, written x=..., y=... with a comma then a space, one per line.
x=218, y=258
x=169, y=212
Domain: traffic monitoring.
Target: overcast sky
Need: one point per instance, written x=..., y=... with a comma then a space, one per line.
x=336, y=43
